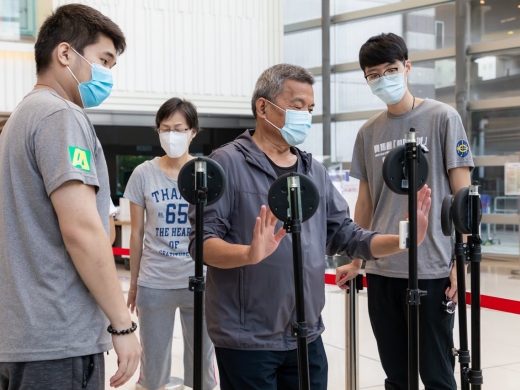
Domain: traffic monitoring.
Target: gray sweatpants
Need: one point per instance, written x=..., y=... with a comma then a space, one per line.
x=156, y=319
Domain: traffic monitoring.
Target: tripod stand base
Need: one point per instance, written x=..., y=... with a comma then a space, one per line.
x=174, y=384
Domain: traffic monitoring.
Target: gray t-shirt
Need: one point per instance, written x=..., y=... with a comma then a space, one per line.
x=165, y=261
x=439, y=128
x=47, y=312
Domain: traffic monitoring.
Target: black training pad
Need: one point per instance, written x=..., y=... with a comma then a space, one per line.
x=279, y=197
x=461, y=211
x=215, y=180
x=393, y=170
x=446, y=216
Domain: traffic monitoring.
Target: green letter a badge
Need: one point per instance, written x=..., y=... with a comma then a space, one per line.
x=80, y=158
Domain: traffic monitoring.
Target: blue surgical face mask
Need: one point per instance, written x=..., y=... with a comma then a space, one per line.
x=390, y=91
x=95, y=91
x=297, y=125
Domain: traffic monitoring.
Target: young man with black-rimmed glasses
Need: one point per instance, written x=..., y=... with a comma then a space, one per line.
x=384, y=61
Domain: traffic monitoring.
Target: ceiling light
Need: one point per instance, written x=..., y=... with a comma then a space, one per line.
x=510, y=32
x=482, y=1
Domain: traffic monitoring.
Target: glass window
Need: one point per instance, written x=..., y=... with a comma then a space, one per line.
x=342, y=6
x=495, y=132
x=125, y=167
x=295, y=11
x=433, y=80
x=17, y=19
x=303, y=48
x=495, y=75
x=427, y=29
x=494, y=19
x=343, y=136
x=350, y=92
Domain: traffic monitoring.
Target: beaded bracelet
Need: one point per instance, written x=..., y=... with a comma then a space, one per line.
x=122, y=332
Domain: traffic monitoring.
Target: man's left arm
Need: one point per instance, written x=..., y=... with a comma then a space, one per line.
x=345, y=237
x=459, y=178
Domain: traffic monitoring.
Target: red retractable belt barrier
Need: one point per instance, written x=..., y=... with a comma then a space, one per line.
x=121, y=252
x=486, y=301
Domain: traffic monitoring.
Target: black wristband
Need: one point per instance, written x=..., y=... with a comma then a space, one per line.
x=122, y=332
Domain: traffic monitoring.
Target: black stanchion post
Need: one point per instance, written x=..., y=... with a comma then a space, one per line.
x=405, y=171
x=463, y=352
x=201, y=182
x=475, y=250
x=293, y=199
x=413, y=293
x=299, y=328
x=197, y=283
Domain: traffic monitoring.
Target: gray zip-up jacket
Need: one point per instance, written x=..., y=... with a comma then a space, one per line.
x=253, y=307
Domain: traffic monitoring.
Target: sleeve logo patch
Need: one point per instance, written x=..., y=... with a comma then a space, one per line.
x=80, y=158
x=462, y=148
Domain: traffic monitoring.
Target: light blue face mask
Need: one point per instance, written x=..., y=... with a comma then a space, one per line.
x=390, y=91
x=297, y=125
x=95, y=91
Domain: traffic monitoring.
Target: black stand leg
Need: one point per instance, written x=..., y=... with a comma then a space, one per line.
x=463, y=352
x=413, y=292
x=475, y=249
x=299, y=328
x=197, y=283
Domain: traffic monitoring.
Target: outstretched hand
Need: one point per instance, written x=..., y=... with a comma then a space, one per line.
x=265, y=241
x=424, y=201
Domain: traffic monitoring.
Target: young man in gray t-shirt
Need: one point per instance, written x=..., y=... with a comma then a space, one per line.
x=58, y=282
x=384, y=61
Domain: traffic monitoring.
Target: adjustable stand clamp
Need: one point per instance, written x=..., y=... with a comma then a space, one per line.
x=413, y=297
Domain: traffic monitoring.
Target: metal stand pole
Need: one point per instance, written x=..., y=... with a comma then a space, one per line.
x=197, y=283
x=475, y=250
x=413, y=292
x=463, y=353
x=299, y=328
x=351, y=333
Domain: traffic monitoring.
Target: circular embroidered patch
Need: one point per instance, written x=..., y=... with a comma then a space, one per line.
x=462, y=148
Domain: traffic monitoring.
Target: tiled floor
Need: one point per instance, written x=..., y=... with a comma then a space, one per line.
x=500, y=337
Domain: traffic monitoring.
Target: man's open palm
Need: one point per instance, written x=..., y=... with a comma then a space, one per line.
x=265, y=241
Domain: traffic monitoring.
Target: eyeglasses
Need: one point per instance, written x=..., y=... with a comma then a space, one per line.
x=389, y=74
x=160, y=131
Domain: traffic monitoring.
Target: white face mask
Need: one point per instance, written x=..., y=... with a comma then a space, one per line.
x=174, y=143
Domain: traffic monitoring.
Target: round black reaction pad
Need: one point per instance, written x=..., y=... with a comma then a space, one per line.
x=446, y=217
x=279, y=197
x=394, y=166
x=215, y=180
x=461, y=211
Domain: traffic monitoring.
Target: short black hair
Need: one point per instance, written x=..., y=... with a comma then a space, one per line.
x=186, y=108
x=382, y=49
x=79, y=26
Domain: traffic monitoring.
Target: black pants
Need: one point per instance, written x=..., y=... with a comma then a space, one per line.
x=82, y=372
x=388, y=315
x=270, y=370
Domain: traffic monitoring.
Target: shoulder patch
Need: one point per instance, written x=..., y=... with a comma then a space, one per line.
x=462, y=148
x=80, y=158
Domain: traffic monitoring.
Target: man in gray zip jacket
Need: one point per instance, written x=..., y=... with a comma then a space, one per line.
x=250, y=303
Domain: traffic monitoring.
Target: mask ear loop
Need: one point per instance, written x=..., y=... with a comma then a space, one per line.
x=267, y=120
x=75, y=78
x=88, y=62
x=275, y=105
